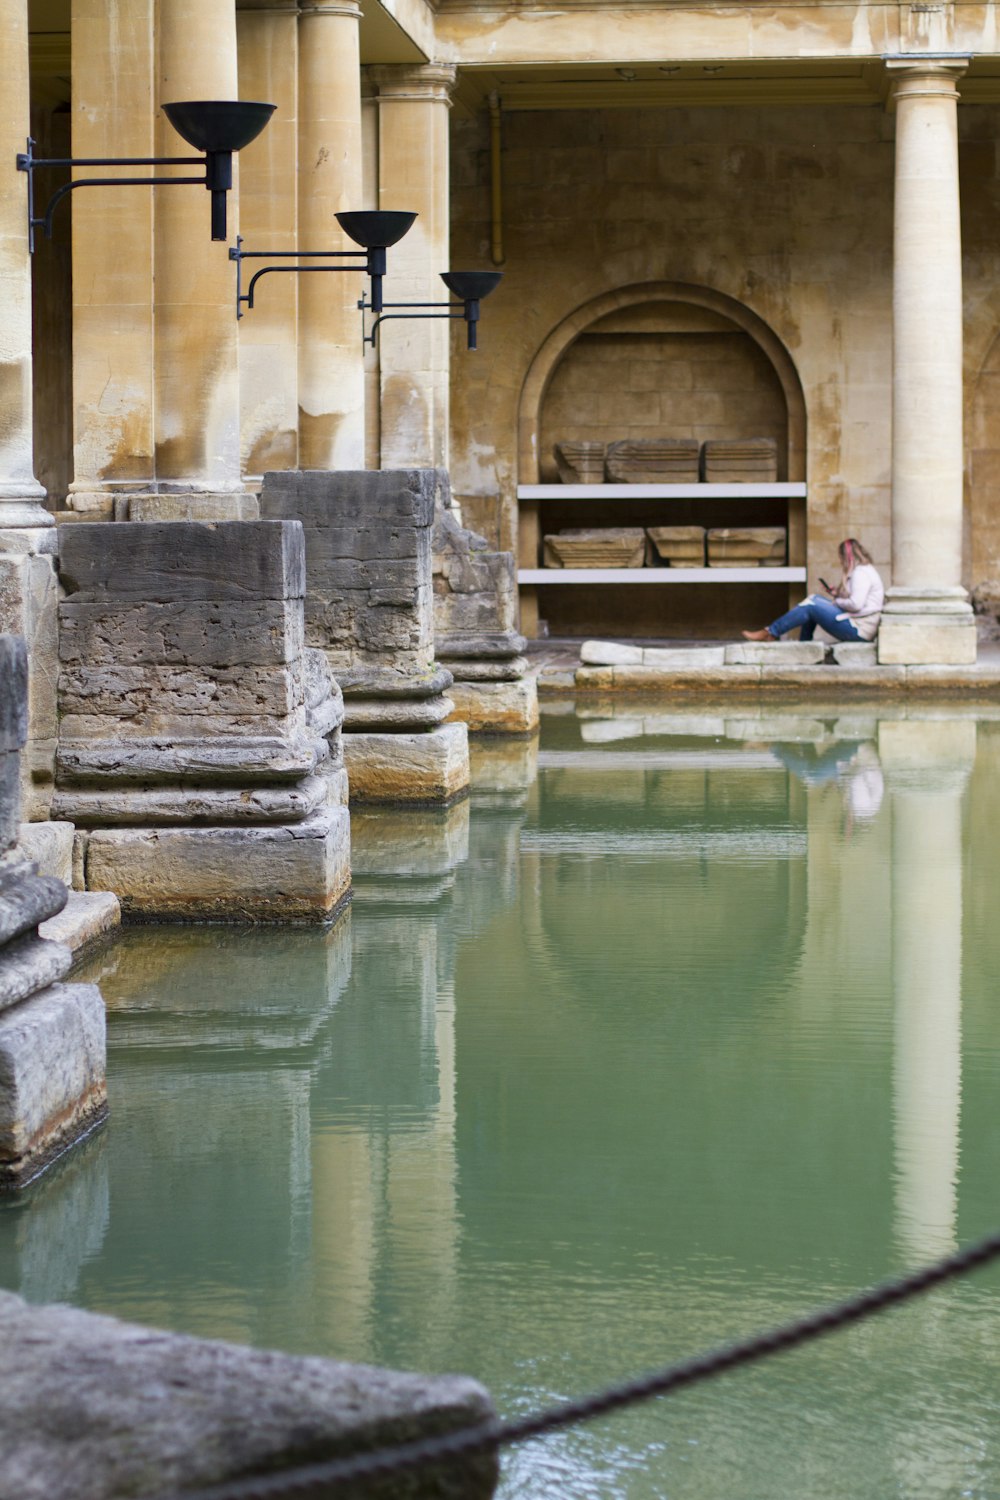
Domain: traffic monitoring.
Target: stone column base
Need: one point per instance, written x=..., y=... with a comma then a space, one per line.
x=297, y=872
x=924, y=627
x=496, y=707
x=429, y=767
x=52, y=1062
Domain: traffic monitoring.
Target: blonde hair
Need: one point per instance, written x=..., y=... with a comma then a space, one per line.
x=852, y=553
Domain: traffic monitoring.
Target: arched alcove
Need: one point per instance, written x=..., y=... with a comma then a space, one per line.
x=657, y=319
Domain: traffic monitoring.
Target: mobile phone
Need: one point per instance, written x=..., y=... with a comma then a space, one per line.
x=826, y=585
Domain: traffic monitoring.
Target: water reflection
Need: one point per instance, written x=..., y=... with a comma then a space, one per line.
x=678, y=1025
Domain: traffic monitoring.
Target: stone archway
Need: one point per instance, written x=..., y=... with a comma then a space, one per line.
x=558, y=343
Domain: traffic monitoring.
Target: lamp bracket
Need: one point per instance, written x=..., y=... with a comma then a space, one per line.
x=239, y=255
x=469, y=310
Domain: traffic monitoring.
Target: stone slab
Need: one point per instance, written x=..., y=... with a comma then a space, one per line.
x=400, y=768
x=496, y=707
x=595, y=547
x=144, y=693
x=290, y=873
x=193, y=507
x=95, y=1409
x=118, y=807
x=320, y=498
x=29, y=964
x=395, y=715
x=13, y=692
x=246, y=760
x=854, y=653
x=52, y=1078
x=26, y=899
x=775, y=653
x=195, y=632
x=503, y=644
x=610, y=654
x=580, y=463
x=683, y=656
x=923, y=640
x=10, y=798
x=509, y=669
x=169, y=561
x=87, y=918
x=50, y=847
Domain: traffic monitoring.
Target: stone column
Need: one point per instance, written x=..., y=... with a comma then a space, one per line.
x=413, y=174
x=926, y=765
x=331, y=359
x=269, y=405
x=928, y=617
x=197, y=427
x=113, y=115
x=27, y=531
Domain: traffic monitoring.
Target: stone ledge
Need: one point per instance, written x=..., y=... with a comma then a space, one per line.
x=87, y=918
x=496, y=707
x=95, y=1409
x=432, y=767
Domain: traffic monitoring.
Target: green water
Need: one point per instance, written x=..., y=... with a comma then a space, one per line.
x=677, y=1030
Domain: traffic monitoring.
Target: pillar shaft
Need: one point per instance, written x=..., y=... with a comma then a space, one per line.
x=413, y=174
x=331, y=361
x=20, y=492
x=268, y=63
x=113, y=70
x=196, y=362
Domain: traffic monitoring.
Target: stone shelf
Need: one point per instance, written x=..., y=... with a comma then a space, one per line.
x=546, y=576
x=774, y=491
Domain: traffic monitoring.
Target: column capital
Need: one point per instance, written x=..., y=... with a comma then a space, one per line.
x=924, y=74
x=420, y=83
x=351, y=8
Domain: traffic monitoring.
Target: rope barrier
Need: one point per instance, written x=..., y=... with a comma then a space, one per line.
x=490, y=1436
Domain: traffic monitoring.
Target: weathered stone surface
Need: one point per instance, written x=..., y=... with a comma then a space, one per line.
x=595, y=547
x=457, y=648
x=746, y=546
x=10, y=797
x=653, y=461
x=580, y=463
x=683, y=656
x=292, y=872
x=29, y=964
x=391, y=714
x=431, y=767
x=677, y=546
x=496, y=707
x=509, y=669
x=388, y=682
x=775, y=654
x=13, y=692
x=25, y=900
x=52, y=1086
x=740, y=461
x=609, y=654
x=50, y=847
x=152, y=695
x=192, y=632
x=198, y=806
x=28, y=609
x=475, y=587
x=248, y=760
x=192, y=507
x=172, y=561
x=163, y=1413
x=924, y=640
x=87, y=918
x=854, y=653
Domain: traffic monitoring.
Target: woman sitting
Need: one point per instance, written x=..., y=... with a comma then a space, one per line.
x=850, y=612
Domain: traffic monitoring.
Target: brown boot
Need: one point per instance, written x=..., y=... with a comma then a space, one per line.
x=757, y=635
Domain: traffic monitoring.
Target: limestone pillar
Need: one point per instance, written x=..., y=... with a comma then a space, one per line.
x=331, y=359
x=113, y=115
x=197, y=428
x=413, y=174
x=928, y=617
x=269, y=407
x=21, y=495
x=926, y=765
x=27, y=532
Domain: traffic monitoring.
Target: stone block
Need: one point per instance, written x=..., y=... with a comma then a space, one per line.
x=123, y=807
x=496, y=707
x=609, y=654
x=194, y=632
x=653, y=461
x=855, y=653
x=13, y=693
x=319, y=497
x=594, y=677
x=50, y=847
x=171, y=561
x=683, y=656
x=29, y=964
x=580, y=463
x=52, y=1078
x=430, y=767
x=26, y=899
x=746, y=546
x=595, y=547
x=192, y=507
x=245, y=760
x=926, y=640
x=775, y=654
x=87, y=918
x=677, y=546
x=10, y=798
x=395, y=714
x=150, y=695
x=166, y=1413
x=292, y=873
x=740, y=461
x=492, y=669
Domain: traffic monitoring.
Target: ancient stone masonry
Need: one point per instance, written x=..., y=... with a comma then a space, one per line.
x=370, y=610
x=52, y=1051
x=199, y=751
x=475, y=613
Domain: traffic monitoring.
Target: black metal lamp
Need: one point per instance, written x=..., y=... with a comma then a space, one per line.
x=469, y=286
x=373, y=229
x=216, y=127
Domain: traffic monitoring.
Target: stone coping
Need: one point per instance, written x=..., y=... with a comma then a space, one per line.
x=742, y=668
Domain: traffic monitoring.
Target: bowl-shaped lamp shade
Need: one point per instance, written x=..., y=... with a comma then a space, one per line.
x=375, y=228
x=471, y=285
x=219, y=124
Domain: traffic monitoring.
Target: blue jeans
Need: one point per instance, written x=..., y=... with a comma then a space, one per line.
x=812, y=612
